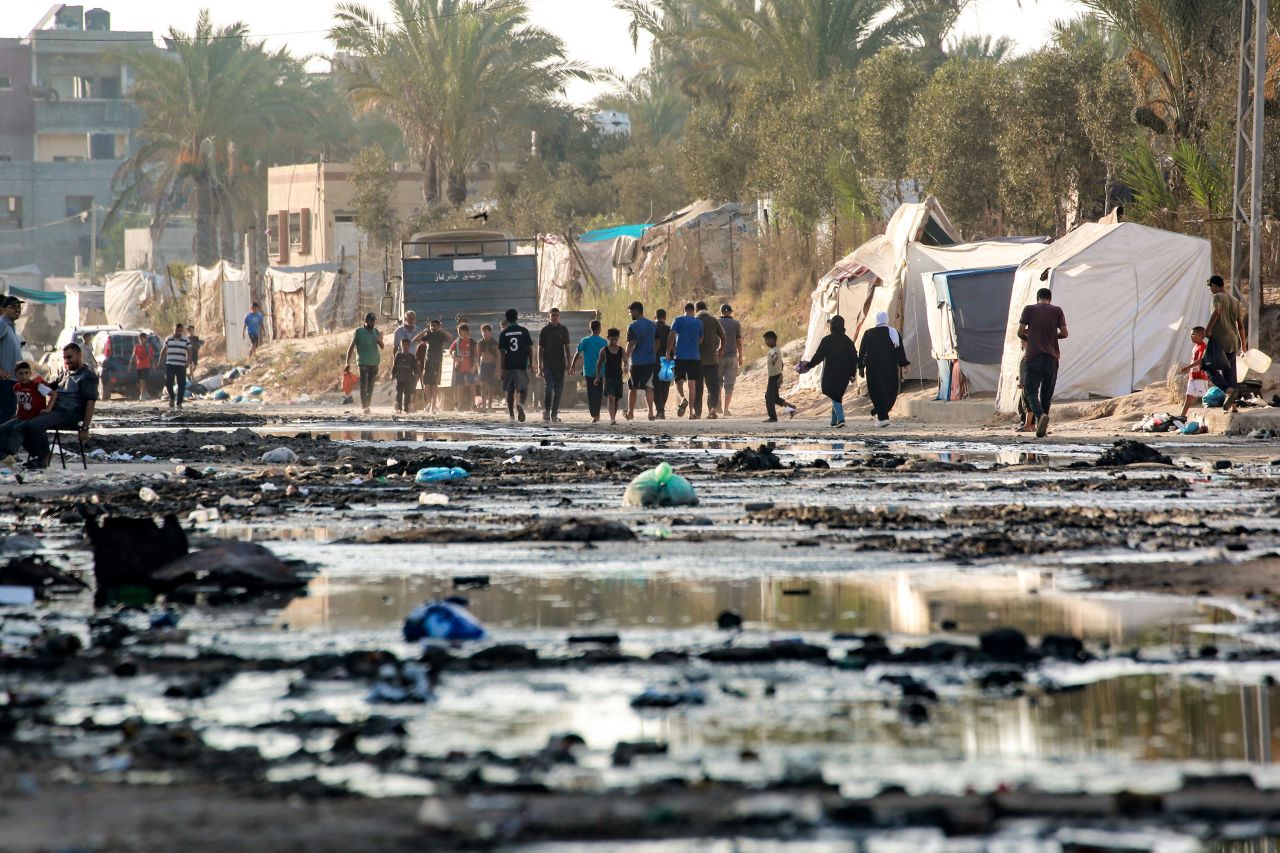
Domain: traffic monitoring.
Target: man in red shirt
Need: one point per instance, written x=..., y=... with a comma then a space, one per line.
x=1042, y=325
x=142, y=363
x=30, y=391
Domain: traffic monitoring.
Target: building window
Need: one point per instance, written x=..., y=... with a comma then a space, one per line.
x=344, y=217
x=295, y=230
x=273, y=235
x=78, y=204
x=102, y=146
x=10, y=211
x=5, y=82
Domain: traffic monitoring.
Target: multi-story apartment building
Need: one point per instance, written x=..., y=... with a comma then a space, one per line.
x=65, y=127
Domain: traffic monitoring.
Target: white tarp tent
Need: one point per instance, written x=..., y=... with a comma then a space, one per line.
x=559, y=279
x=929, y=329
x=221, y=293
x=874, y=277
x=310, y=300
x=1130, y=294
x=129, y=293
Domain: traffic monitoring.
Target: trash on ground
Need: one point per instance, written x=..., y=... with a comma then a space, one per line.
x=440, y=475
x=660, y=486
x=433, y=499
x=280, y=456
x=441, y=620
x=762, y=458
x=1126, y=451
x=398, y=683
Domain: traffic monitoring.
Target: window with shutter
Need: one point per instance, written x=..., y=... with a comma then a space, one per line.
x=283, y=218
x=273, y=234
x=304, y=228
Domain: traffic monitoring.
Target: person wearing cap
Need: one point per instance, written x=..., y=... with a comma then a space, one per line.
x=731, y=356
x=10, y=355
x=365, y=344
x=1225, y=331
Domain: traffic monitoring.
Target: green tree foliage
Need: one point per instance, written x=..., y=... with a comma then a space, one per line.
x=373, y=182
x=1054, y=176
x=209, y=106
x=954, y=129
x=889, y=85
x=454, y=75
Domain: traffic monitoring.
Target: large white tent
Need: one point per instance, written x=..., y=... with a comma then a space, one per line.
x=1130, y=294
x=933, y=323
x=873, y=277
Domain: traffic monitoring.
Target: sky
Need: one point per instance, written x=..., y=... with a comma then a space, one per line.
x=593, y=30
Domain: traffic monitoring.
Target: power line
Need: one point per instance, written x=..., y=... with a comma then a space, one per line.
x=50, y=36
x=82, y=217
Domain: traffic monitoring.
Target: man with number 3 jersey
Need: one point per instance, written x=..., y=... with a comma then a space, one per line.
x=516, y=345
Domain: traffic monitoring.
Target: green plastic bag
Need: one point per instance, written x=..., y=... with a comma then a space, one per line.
x=660, y=487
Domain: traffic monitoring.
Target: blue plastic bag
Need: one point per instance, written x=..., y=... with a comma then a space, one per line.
x=1192, y=428
x=1214, y=398
x=440, y=475
x=256, y=391
x=666, y=369
x=440, y=620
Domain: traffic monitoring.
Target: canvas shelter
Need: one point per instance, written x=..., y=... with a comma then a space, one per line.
x=1131, y=295
x=128, y=296
x=962, y=301
x=222, y=298
x=875, y=277
x=310, y=300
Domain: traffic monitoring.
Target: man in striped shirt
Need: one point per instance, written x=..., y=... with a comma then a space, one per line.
x=176, y=355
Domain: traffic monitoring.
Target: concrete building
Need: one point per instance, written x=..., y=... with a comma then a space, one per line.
x=65, y=127
x=311, y=211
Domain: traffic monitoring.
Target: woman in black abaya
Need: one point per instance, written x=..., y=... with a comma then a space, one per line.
x=880, y=360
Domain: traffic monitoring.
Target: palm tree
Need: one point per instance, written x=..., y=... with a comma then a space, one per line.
x=800, y=42
x=207, y=103
x=451, y=74
x=985, y=47
x=1173, y=48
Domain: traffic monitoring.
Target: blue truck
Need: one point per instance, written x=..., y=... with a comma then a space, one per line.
x=474, y=275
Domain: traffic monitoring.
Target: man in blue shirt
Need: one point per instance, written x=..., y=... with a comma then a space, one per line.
x=589, y=354
x=10, y=355
x=685, y=346
x=253, y=328
x=642, y=354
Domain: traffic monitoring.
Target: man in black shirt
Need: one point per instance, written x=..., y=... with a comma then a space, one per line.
x=516, y=345
x=553, y=351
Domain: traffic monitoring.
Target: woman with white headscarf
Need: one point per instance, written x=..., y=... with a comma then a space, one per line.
x=880, y=360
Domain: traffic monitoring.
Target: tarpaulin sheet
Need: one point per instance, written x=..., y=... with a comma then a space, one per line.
x=1131, y=295
x=632, y=231
x=38, y=296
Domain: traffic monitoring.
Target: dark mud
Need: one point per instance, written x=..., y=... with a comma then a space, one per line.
x=196, y=712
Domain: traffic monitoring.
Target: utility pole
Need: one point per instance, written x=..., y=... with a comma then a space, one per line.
x=93, y=243
x=1246, y=208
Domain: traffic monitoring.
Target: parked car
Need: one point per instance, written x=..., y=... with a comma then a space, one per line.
x=51, y=364
x=119, y=375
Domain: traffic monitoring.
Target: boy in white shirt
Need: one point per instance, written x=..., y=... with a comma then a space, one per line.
x=772, y=397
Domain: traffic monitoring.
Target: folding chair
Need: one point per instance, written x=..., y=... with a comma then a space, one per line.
x=62, y=454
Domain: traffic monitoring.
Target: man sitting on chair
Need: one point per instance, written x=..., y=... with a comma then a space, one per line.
x=71, y=407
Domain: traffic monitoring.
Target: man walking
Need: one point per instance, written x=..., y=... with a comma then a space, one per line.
x=731, y=357
x=686, y=348
x=1225, y=331
x=713, y=346
x=661, y=340
x=253, y=328
x=641, y=353
x=1041, y=325
x=408, y=330
x=10, y=355
x=516, y=345
x=437, y=340
x=176, y=355
x=553, y=353
x=365, y=344
x=589, y=354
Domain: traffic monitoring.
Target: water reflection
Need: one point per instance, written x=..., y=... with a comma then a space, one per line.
x=897, y=602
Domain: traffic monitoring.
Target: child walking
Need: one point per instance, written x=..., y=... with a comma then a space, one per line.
x=489, y=386
x=772, y=395
x=1197, y=378
x=609, y=369
x=405, y=372
x=465, y=363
